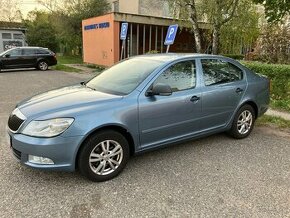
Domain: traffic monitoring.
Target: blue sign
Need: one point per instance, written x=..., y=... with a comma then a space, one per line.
x=97, y=26
x=171, y=33
x=124, y=30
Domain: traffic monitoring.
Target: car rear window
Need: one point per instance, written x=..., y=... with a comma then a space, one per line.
x=42, y=51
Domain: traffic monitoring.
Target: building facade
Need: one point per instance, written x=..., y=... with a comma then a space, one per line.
x=11, y=35
x=158, y=8
x=146, y=34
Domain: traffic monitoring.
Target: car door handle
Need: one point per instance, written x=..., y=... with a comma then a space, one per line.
x=239, y=90
x=194, y=98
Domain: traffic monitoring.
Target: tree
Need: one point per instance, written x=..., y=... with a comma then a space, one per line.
x=275, y=10
x=67, y=19
x=216, y=12
x=239, y=35
x=40, y=32
x=273, y=44
x=219, y=12
x=187, y=10
x=10, y=11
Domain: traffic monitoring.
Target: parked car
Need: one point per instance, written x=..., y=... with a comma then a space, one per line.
x=139, y=104
x=27, y=57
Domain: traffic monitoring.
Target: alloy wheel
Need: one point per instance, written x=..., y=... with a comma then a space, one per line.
x=43, y=65
x=245, y=122
x=106, y=157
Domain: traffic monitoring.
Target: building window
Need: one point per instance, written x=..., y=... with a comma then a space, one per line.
x=6, y=36
x=116, y=6
x=17, y=36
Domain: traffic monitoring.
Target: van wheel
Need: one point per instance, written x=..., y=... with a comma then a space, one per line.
x=42, y=65
x=103, y=156
x=243, y=123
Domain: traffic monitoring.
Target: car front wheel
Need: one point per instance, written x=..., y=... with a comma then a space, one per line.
x=103, y=156
x=42, y=65
x=243, y=122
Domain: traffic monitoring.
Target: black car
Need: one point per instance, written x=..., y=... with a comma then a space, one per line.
x=27, y=57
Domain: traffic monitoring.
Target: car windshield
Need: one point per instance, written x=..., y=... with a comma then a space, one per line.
x=123, y=78
x=4, y=52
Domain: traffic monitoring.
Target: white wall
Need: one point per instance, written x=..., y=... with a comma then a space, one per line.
x=13, y=41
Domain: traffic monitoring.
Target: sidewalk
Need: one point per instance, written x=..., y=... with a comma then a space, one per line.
x=275, y=113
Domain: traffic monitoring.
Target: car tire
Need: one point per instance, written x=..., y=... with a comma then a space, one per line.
x=243, y=122
x=42, y=65
x=103, y=156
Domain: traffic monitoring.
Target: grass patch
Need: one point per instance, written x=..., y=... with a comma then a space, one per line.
x=69, y=59
x=65, y=68
x=279, y=122
x=283, y=104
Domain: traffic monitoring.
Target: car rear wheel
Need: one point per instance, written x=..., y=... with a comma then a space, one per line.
x=243, y=122
x=42, y=65
x=103, y=156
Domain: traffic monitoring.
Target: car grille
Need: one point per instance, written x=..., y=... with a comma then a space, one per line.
x=14, y=122
x=16, y=153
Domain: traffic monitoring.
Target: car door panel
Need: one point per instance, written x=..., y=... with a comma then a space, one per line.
x=224, y=87
x=164, y=118
x=219, y=103
x=12, y=59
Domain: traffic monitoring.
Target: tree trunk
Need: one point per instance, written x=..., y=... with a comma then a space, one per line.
x=216, y=39
x=197, y=37
x=193, y=20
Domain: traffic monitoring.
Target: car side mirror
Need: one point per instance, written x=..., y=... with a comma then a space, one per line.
x=7, y=56
x=160, y=89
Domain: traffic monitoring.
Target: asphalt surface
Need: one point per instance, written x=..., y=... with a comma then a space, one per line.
x=212, y=177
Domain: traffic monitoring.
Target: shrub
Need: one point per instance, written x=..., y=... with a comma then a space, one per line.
x=234, y=56
x=279, y=76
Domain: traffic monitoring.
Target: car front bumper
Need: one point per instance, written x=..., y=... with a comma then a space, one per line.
x=61, y=150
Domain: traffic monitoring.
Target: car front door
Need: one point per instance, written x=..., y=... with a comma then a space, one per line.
x=12, y=58
x=167, y=118
x=224, y=86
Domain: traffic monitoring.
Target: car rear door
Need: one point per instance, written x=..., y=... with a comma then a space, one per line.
x=224, y=87
x=30, y=57
x=166, y=118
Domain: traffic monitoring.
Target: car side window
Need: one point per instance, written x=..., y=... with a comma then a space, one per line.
x=180, y=76
x=14, y=52
x=40, y=51
x=28, y=51
x=217, y=71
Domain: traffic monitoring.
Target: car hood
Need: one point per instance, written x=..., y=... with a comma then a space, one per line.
x=63, y=99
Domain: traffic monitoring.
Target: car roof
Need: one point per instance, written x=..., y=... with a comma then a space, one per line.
x=168, y=57
x=32, y=47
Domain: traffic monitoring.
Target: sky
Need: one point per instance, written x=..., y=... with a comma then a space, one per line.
x=29, y=5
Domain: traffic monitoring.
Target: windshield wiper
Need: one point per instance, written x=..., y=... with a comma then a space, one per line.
x=85, y=84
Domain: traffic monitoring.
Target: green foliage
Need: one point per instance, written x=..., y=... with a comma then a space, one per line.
x=240, y=33
x=235, y=56
x=275, y=10
x=280, y=82
x=69, y=59
x=40, y=32
x=65, y=68
x=62, y=25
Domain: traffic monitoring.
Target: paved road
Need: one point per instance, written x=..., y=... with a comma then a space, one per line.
x=212, y=177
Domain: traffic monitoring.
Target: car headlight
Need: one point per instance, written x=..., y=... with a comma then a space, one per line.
x=47, y=128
